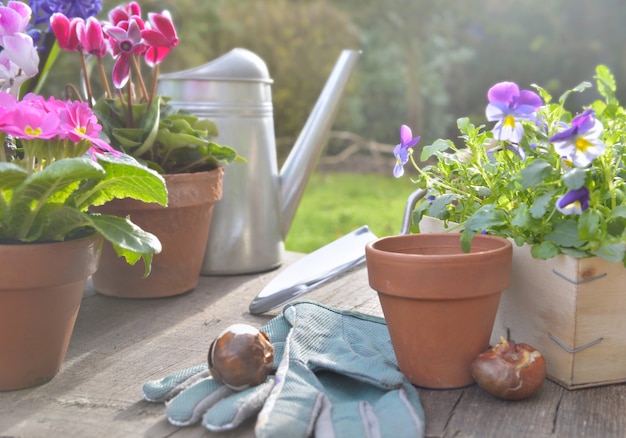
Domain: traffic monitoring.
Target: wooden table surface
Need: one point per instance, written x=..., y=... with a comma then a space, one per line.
x=119, y=344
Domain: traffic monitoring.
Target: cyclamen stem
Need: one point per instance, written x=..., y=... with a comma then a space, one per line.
x=105, y=81
x=87, y=81
x=155, y=77
x=142, y=85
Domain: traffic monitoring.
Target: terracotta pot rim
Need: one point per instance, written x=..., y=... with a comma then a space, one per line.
x=201, y=173
x=404, y=245
x=91, y=236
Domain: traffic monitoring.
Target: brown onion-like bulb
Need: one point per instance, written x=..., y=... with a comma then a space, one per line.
x=510, y=371
x=240, y=357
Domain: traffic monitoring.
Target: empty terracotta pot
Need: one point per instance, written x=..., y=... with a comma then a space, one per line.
x=183, y=229
x=439, y=302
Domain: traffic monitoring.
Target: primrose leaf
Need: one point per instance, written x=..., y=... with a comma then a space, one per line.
x=132, y=242
x=52, y=184
x=125, y=178
x=11, y=175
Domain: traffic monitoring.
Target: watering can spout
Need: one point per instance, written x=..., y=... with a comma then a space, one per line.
x=305, y=153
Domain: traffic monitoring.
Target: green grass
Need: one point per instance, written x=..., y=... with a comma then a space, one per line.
x=334, y=204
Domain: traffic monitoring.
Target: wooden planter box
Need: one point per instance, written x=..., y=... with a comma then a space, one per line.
x=572, y=310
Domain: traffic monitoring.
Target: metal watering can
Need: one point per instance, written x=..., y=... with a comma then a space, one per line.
x=258, y=204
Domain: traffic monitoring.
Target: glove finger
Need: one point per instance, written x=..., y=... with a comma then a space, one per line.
x=361, y=409
x=189, y=406
x=295, y=402
x=231, y=412
x=171, y=385
x=398, y=415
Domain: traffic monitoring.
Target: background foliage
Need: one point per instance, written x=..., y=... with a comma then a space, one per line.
x=425, y=62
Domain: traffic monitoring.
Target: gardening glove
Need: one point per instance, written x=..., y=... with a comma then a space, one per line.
x=336, y=376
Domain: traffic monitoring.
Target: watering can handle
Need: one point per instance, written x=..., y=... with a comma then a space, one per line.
x=408, y=210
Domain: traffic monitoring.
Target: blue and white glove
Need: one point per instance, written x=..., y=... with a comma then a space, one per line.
x=335, y=375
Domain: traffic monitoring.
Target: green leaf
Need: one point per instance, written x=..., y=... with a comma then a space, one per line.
x=589, y=225
x=54, y=182
x=11, y=175
x=128, y=137
x=613, y=252
x=59, y=221
x=605, y=82
x=544, y=250
x=128, y=240
x=125, y=178
x=439, y=206
x=484, y=219
x=575, y=178
x=150, y=125
x=618, y=212
x=535, y=173
x=578, y=89
x=540, y=206
x=565, y=234
x=438, y=146
x=176, y=140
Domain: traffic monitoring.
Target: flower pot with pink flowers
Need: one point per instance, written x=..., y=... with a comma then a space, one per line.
x=142, y=124
x=54, y=168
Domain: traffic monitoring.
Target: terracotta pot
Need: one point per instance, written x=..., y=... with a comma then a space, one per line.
x=183, y=229
x=439, y=302
x=40, y=293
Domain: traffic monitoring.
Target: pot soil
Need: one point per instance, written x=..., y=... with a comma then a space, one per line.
x=40, y=294
x=183, y=229
x=439, y=302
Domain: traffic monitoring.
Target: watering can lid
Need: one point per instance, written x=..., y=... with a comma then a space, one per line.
x=237, y=65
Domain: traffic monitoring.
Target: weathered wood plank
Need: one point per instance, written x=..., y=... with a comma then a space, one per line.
x=597, y=412
x=119, y=344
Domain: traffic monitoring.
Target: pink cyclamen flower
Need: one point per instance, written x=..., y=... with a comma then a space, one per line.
x=14, y=18
x=126, y=43
x=65, y=31
x=160, y=36
x=124, y=13
x=91, y=38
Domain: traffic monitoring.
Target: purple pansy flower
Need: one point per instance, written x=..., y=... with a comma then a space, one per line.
x=574, y=201
x=581, y=142
x=403, y=150
x=507, y=106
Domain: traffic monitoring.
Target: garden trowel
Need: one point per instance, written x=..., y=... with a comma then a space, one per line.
x=314, y=269
x=324, y=264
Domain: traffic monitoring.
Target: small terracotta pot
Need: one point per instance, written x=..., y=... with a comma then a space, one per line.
x=183, y=229
x=40, y=293
x=439, y=302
